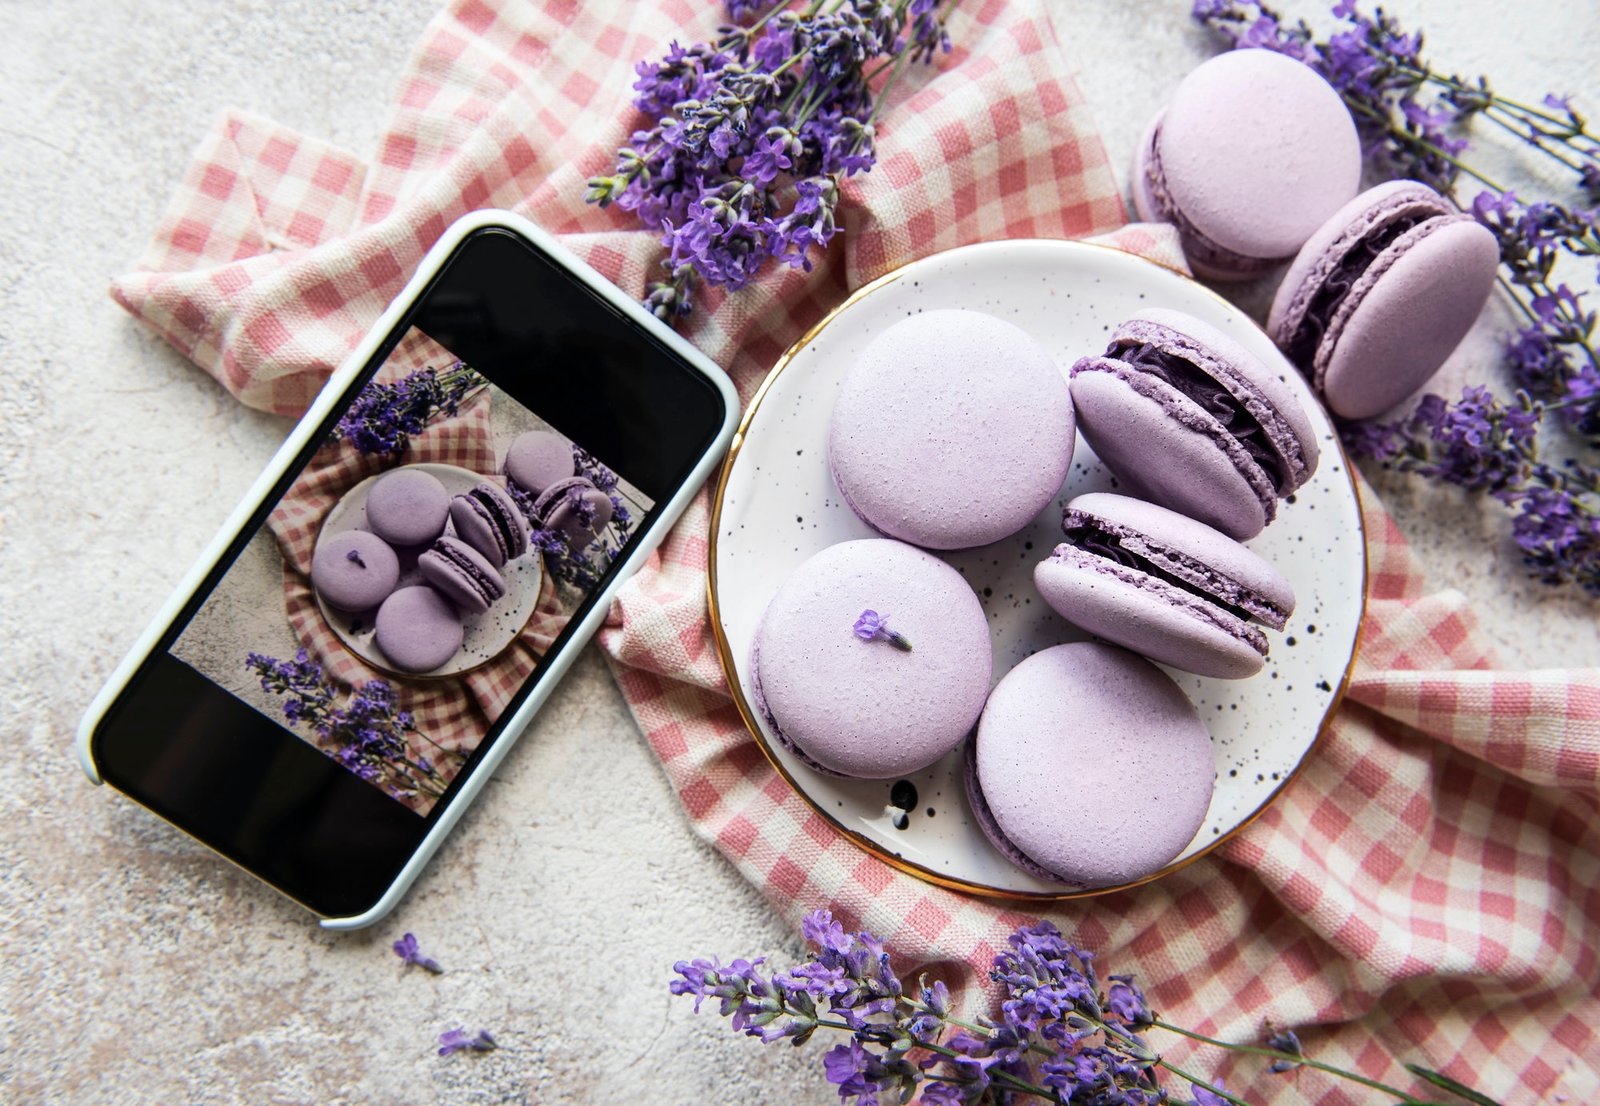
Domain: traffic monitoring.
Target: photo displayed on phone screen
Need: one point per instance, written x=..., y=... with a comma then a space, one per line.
x=410, y=580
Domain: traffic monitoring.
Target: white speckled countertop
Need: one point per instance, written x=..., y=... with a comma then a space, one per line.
x=138, y=968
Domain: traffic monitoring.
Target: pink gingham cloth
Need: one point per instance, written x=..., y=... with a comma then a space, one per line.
x=1428, y=889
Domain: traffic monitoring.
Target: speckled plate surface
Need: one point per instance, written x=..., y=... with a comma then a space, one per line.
x=776, y=505
x=486, y=634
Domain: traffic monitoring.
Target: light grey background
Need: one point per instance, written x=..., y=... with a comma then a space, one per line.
x=137, y=968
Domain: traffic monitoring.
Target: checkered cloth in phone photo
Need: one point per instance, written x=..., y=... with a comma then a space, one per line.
x=1428, y=889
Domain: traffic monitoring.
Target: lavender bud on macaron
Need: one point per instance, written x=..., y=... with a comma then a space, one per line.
x=835, y=687
x=576, y=508
x=1090, y=767
x=354, y=570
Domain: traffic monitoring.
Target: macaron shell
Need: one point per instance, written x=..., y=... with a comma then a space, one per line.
x=1259, y=386
x=1148, y=615
x=417, y=629
x=474, y=523
x=1162, y=447
x=357, y=584
x=1257, y=151
x=565, y=516
x=1324, y=251
x=1408, y=313
x=865, y=708
x=984, y=817
x=539, y=458
x=1145, y=204
x=1187, y=548
x=1093, y=764
x=925, y=449
x=407, y=507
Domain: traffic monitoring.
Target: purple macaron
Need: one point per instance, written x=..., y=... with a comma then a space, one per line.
x=1090, y=767
x=418, y=630
x=1381, y=294
x=487, y=519
x=462, y=575
x=952, y=429
x=833, y=677
x=576, y=508
x=1164, y=585
x=538, y=459
x=1254, y=151
x=1187, y=417
x=407, y=506
x=354, y=570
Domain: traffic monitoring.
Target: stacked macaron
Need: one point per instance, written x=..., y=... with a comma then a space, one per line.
x=1186, y=417
x=543, y=468
x=420, y=627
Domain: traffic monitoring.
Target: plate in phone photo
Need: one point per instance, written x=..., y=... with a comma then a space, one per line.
x=486, y=635
x=776, y=505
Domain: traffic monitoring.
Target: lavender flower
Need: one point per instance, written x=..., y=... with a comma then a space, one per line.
x=457, y=1040
x=872, y=626
x=1285, y=1041
x=385, y=417
x=368, y=735
x=753, y=132
x=406, y=949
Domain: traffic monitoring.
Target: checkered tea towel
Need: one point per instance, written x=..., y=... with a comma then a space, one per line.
x=1428, y=889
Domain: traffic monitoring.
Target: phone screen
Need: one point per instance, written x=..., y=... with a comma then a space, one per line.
x=397, y=595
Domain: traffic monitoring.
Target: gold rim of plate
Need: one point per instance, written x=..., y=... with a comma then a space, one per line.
x=731, y=673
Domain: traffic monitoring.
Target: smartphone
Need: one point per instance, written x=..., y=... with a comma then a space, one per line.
x=323, y=725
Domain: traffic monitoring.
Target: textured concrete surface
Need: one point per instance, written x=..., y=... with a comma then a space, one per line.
x=139, y=969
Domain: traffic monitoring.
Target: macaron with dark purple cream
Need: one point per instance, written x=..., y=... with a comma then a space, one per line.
x=1185, y=416
x=407, y=506
x=462, y=575
x=872, y=660
x=354, y=570
x=487, y=519
x=576, y=508
x=417, y=629
x=539, y=458
x=952, y=429
x=1090, y=767
x=1381, y=295
x=1163, y=585
x=1252, y=153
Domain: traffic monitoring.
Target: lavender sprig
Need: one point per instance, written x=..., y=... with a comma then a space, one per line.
x=872, y=626
x=407, y=949
x=385, y=417
x=752, y=133
x=1411, y=120
x=582, y=567
x=459, y=1040
x=368, y=735
x=1061, y=1037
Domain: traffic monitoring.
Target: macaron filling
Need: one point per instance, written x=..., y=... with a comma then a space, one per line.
x=1195, y=601
x=1135, y=551
x=1217, y=401
x=491, y=590
x=1195, y=243
x=1335, y=288
x=494, y=514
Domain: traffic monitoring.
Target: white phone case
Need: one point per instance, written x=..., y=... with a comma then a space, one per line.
x=633, y=555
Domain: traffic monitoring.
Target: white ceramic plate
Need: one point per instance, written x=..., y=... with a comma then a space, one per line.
x=776, y=505
x=486, y=635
